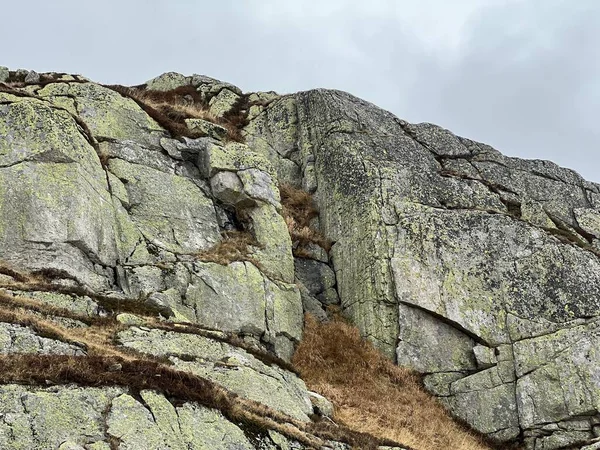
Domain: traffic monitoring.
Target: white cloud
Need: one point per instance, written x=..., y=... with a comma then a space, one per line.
x=519, y=74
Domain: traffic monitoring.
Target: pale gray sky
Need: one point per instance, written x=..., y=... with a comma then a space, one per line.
x=520, y=75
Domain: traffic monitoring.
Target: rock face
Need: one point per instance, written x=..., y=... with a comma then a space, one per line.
x=480, y=271
x=95, y=191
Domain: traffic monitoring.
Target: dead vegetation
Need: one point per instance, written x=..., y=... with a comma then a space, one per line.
x=235, y=246
x=371, y=394
x=170, y=109
x=376, y=402
x=299, y=211
x=139, y=374
x=50, y=280
x=17, y=78
x=10, y=271
x=40, y=316
x=107, y=364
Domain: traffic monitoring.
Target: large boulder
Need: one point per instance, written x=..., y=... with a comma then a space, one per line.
x=55, y=207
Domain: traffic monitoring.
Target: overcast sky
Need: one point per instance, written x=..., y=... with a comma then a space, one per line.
x=520, y=75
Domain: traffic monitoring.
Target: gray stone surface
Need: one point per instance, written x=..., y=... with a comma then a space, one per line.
x=318, y=278
x=321, y=405
x=167, y=81
x=259, y=185
x=311, y=305
x=234, y=368
x=55, y=207
x=239, y=298
x=229, y=298
x=451, y=257
x=479, y=270
x=223, y=102
x=17, y=339
x=32, y=77
x=44, y=418
x=108, y=114
x=207, y=128
x=75, y=418
x=227, y=187
x=171, y=211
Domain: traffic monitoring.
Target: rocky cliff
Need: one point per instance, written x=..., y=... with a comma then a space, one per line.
x=158, y=255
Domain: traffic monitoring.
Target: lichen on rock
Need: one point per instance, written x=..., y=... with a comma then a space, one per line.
x=479, y=271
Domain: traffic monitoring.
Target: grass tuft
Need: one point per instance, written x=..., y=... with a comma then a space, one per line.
x=298, y=211
x=235, y=246
x=15, y=274
x=371, y=394
x=170, y=109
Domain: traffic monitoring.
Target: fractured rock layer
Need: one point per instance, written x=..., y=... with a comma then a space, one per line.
x=480, y=271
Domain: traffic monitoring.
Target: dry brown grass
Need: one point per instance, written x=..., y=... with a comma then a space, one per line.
x=297, y=204
x=44, y=281
x=303, y=236
x=104, y=158
x=102, y=330
x=108, y=364
x=373, y=395
x=235, y=246
x=298, y=211
x=176, y=106
x=107, y=326
x=95, y=339
x=170, y=109
x=30, y=304
x=139, y=374
x=17, y=275
x=142, y=373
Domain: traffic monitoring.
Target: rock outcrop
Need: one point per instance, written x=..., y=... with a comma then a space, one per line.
x=481, y=272
x=478, y=270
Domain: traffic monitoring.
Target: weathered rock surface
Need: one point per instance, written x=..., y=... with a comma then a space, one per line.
x=227, y=365
x=20, y=340
x=101, y=418
x=478, y=270
x=110, y=226
x=94, y=189
x=4, y=74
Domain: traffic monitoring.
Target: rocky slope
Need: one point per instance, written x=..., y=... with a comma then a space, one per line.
x=135, y=211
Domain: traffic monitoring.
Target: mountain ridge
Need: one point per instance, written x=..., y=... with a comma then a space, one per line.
x=185, y=207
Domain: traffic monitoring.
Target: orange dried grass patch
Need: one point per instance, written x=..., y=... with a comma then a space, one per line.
x=170, y=109
x=236, y=246
x=371, y=394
